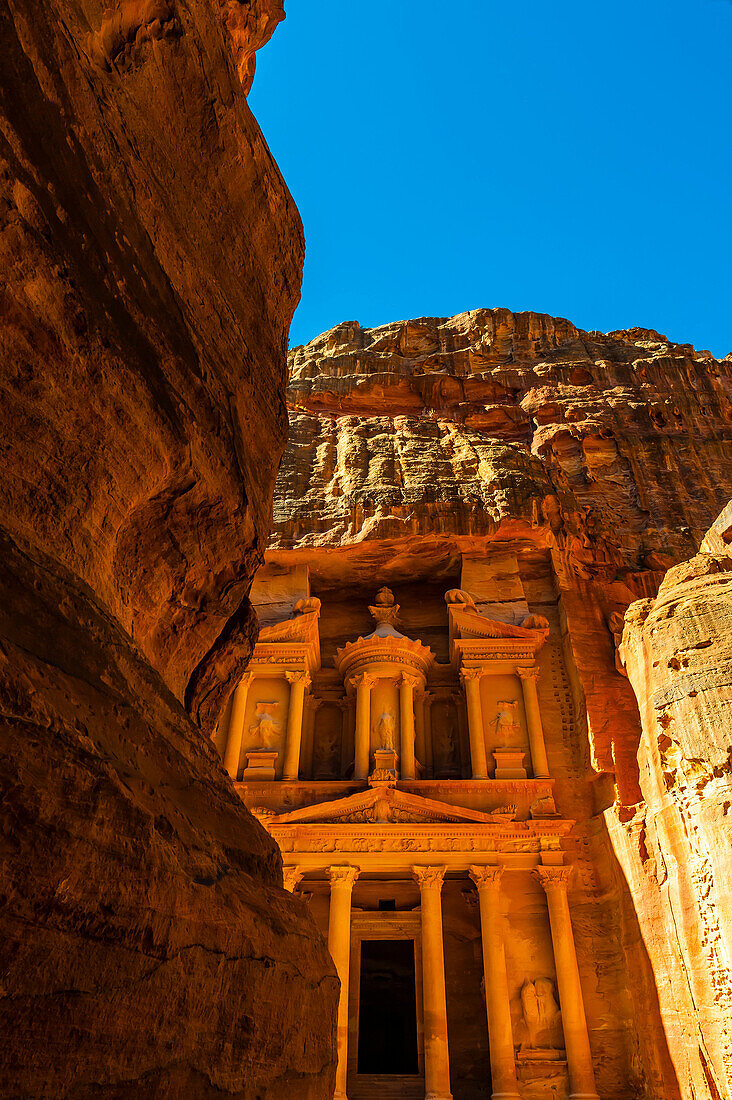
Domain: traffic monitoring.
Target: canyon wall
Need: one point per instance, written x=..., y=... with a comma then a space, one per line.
x=576, y=468
x=674, y=845
x=151, y=258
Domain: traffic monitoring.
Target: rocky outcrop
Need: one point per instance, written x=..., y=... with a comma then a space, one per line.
x=428, y=437
x=674, y=845
x=151, y=259
x=588, y=464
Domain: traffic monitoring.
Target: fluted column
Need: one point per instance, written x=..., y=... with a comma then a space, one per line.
x=497, y=1000
x=539, y=763
x=290, y=877
x=555, y=881
x=471, y=682
x=339, y=945
x=436, y=1053
x=407, y=684
x=235, y=735
x=363, y=683
x=298, y=682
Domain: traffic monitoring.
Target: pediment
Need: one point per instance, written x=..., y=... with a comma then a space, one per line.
x=381, y=805
x=301, y=630
x=469, y=623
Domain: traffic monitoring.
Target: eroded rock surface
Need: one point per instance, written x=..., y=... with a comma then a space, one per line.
x=675, y=844
x=593, y=463
x=151, y=259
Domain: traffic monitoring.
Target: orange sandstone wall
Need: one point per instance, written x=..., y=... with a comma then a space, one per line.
x=674, y=844
x=150, y=261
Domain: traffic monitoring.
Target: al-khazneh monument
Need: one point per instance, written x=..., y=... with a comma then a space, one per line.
x=523, y=885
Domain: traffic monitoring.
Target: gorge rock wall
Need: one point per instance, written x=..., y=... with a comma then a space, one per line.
x=423, y=444
x=674, y=845
x=151, y=258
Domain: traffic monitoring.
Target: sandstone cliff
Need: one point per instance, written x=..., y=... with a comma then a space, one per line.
x=594, y=462
x=674, y=846
x=151, y=259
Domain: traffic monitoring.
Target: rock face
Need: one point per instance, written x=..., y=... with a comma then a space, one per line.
x=675, y=846
x=151, y=259
x=574, y=468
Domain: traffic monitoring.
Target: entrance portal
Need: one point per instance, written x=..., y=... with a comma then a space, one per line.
x=387, y=1031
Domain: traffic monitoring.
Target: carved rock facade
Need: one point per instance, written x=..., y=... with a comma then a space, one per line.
x=517, y=483
x=151, y=259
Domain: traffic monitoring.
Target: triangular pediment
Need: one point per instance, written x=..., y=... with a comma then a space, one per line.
x=380, y=805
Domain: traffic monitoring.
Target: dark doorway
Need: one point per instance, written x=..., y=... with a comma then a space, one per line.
x=387, y=1028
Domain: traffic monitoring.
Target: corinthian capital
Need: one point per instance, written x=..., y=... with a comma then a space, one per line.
x=554, y=878
x=467, y=674
x=363, y=679
x=429, y=878
x=291, y=876
x=485, y=877
x=531, y=673
x=342, y=876
x=298, y=677
x=409, y=681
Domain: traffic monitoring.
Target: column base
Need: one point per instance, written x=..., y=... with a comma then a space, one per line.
x=438, y=1096
x=583, y=1096
x=505, y=1096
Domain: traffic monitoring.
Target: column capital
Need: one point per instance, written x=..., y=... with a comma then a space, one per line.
x=486, y=876
x=468, y=674
x=298, y=676
x=363, y=679
x=291, y=876
x=312, y=702
x=343, y=875
x=429, y=878
x=554, y=878
x=245, y=680
x=525, y=672
x=408, y=680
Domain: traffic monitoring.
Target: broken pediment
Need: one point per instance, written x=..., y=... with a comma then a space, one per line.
x=468, y=626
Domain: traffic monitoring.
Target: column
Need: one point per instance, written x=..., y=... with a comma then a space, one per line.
x=236, y=725
x=407, y=685
x=436, y=1055
x=419, y=746
x=346, y=706
x=298, y=682
x=363, y=683
x=497, y=1000
x=555, y=881
x=539, y=764
x=339, y=945
x=471, y=682
x=427, y=718
x=312, y=706
x=290, y=877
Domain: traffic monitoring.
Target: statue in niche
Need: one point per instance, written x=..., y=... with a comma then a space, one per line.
x=541, y=1016
x=507, y=729
x=385, y=730
x=264, y=731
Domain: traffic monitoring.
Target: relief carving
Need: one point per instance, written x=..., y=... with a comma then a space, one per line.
x=507, y=729
x=541, y=1025
x=264, y=732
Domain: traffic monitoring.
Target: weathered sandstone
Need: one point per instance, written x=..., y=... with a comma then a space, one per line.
x=151, y=259
x=674, y=846
x=558, y=473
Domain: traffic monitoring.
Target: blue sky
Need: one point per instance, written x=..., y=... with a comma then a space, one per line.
x=568, y=157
